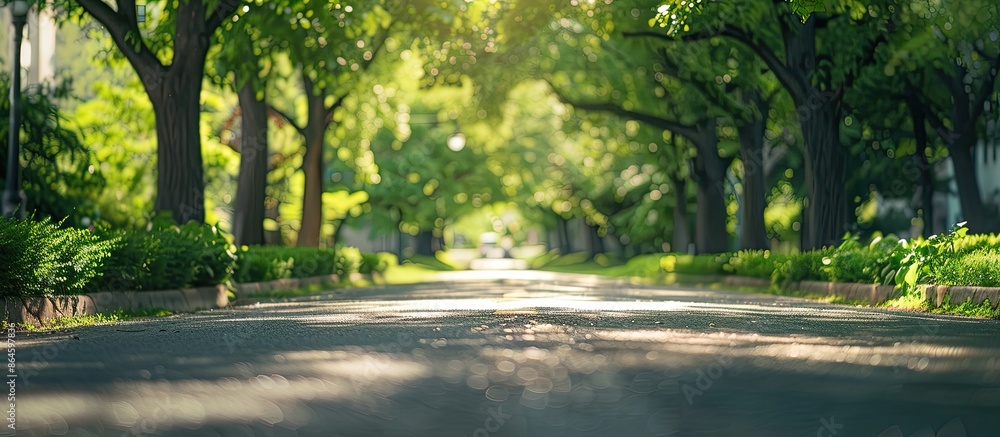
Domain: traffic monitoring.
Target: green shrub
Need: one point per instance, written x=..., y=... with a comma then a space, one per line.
x=707, y=264
x=871, y=264
x=166, y=256
x=377, y=262
x=646, y=266
x=38, y=258
x=346, y=261
x=754, y=263
x=803, y=266
x=268, y=263
x=980, y=268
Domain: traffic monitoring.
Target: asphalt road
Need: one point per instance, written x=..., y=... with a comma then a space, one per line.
x=528, y=355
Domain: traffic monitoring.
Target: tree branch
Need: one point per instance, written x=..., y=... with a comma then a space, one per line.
x=288, y=118
x=120, y=25
x=766, y=54
x=664, y=123
x=223, y=11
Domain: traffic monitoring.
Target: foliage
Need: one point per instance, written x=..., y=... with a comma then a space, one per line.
x=979, y=268
x=268, y=263
x=346, y=261
x=166, y=256
x=754, y=263
x=922, y=261
x=708, y=264
x=377, y=262
x=59, y=175
x=38, y=258
x=872, y=264
x=804, y=266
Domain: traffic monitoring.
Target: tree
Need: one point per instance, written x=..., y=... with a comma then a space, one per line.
x=170, y=62
x=951, y=57
x=814, y=63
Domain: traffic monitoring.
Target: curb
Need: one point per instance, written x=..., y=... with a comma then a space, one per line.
x=35, y=310
x=870, y=293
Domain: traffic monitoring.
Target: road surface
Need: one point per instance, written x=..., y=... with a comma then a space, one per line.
x=517, y=354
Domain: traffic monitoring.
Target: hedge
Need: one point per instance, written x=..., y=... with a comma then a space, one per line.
x=953, y=258
x=41, y=258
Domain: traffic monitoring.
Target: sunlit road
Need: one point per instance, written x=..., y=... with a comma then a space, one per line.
x=531, y=355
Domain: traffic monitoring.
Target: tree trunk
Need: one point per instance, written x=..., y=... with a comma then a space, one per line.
x=924, y=165
x=751, y=139
x=180, y=184
x=819, y=114
x=823, y=211
x=596, y=241
x=423, y=242
x=709, y=176
x=682, y=238
x=563, y=229
x=248, y=217
x=312, y=166
x=969, y=194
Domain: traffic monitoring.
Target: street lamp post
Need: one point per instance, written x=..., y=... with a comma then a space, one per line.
x=13, y=196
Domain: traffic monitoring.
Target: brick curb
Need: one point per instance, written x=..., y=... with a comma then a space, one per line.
x=871, y=293
x=35, y=310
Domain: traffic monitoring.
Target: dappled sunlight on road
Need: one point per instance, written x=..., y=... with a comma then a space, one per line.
x=549, y=358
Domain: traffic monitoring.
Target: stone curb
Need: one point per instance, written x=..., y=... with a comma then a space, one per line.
x=871, y=293
x=35, y=310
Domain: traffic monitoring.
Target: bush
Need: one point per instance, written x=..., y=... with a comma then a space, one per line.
x=165, y=257
x=707, y=264
x=646, y=266
x=803, y=266
x=754, y=263
x=852, y=262
x=978, y=268
x=347, y=261
x=39, y=258
x=377, y=262
x=268, y=263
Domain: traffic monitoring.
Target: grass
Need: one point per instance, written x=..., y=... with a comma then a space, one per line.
x=104, y=318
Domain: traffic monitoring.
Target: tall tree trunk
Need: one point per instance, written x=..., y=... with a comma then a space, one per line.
x=563, y=229
x=180, y=183
x=423, y=243
x=751, y=139
x=175, y=92
x=823, y=215
x=681, y=238
x=709, y=176
x=248, y=217
x=312, y=165
x=596, y=241
x=969, y=193
x=923, y=165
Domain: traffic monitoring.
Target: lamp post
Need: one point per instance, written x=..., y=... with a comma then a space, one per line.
x=13, y=196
